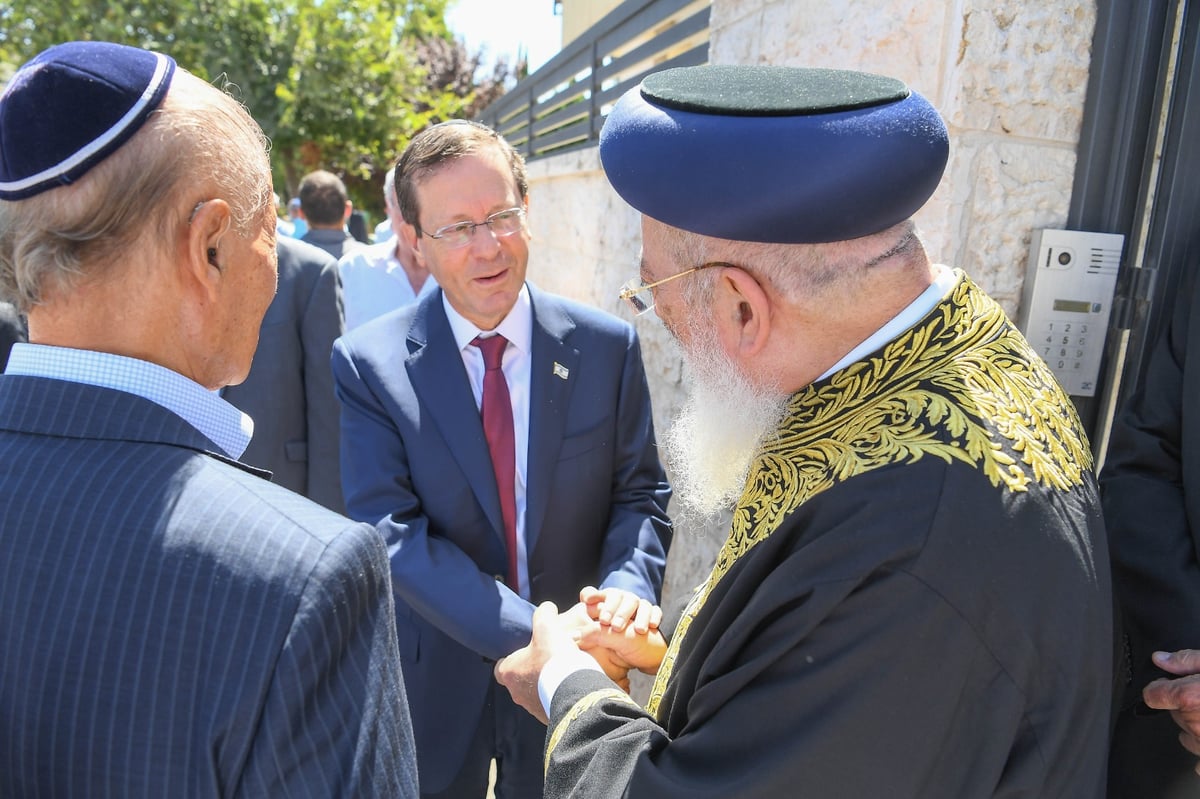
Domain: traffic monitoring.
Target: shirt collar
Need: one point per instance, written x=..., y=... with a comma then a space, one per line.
x=327, y=234
x=517, y=326
x=943, y=282
x=392, y=265
x=216, y=419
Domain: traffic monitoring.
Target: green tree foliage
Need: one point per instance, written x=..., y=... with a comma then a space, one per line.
x=336, y=85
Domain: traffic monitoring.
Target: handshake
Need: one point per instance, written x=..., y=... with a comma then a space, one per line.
x=618, y=629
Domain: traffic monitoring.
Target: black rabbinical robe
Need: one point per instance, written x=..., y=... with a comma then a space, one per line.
x=913, y=600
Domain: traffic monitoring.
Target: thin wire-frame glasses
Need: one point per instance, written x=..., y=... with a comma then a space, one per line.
x=502, y=223
x=639, y=296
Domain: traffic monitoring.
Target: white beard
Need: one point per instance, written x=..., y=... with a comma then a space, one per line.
x=714, y=439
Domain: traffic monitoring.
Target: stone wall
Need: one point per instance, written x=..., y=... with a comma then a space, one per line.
x=1009, y=76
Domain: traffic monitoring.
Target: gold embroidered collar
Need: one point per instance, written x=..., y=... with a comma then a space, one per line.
x=961, y=385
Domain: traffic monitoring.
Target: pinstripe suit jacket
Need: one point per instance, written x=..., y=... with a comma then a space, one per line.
x=174, y=625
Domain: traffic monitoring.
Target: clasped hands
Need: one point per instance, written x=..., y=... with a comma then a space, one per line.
x=617, y=628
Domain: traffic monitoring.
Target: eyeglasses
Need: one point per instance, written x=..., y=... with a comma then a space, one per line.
x=640, y=295
x=502, y=223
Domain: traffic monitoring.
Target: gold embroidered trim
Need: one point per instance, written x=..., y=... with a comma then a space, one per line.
x=578, y=709
x=962, y=385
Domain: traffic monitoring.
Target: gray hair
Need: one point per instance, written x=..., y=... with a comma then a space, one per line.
x=389, y=189
x=200, y=144
x=794, y=270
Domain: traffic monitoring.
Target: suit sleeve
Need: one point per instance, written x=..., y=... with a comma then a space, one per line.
x=634, y=556
x=485, y=615
x=1155, y=570
x=321, y=326
x=335, y=721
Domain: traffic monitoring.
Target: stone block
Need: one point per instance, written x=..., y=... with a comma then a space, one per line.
x=1022, y=68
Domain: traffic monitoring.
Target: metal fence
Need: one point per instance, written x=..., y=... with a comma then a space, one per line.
x=562, y=106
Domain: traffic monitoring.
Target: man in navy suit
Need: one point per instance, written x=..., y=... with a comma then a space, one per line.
x=325, y=206
x=289, y=391
x=580, y=499
x=171, y=623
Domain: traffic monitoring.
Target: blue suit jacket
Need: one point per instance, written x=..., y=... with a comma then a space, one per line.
x=173, y=625
x=289, y=391
x=414, y=455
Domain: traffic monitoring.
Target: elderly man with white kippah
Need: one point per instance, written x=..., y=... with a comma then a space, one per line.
x=171, y=623
x=913, y=599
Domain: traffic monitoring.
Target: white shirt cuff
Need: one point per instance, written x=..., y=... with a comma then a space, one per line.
x=559, y=668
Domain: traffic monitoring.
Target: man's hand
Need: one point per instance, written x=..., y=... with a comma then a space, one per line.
x=519, y=671
x=1181, y=696
x=628, y=628
x=637, y=651
x=582, y=627
x=614, y=667
x=617, y=608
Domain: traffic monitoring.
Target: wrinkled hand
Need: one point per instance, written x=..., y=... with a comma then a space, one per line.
x=1181, y=695
x=634, y=650
x=617, y=608
x=519, y=671
x=582, y=627
x=614, y=667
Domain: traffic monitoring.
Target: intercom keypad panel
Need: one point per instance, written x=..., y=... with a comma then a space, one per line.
x=1064, y=343
x=1068, y=297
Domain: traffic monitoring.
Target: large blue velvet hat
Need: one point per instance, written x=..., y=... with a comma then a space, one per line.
x=774, y=154
x=71, y=107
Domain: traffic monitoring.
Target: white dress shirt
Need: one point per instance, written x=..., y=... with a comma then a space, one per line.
x=517, y=366
x=220, y=422
x=374, y=282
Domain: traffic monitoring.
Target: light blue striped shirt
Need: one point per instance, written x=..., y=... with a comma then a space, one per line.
x=220, y=422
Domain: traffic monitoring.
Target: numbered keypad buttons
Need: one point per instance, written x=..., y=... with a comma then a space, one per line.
x=1063, y=344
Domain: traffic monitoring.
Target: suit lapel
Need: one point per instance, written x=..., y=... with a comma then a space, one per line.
x=437, y=374
x=553, y=362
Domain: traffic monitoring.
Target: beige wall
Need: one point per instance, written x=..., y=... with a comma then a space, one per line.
x=579, y=15
x=1009, y=76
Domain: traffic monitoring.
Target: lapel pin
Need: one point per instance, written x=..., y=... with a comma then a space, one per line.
x=560, y=371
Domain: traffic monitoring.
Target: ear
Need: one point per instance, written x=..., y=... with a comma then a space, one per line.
x=742, y=310
x=409, y=234
x=525, y=205
x=203, y=260
x=349, y=210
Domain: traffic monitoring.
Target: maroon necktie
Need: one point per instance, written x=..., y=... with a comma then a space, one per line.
x=496, y=410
